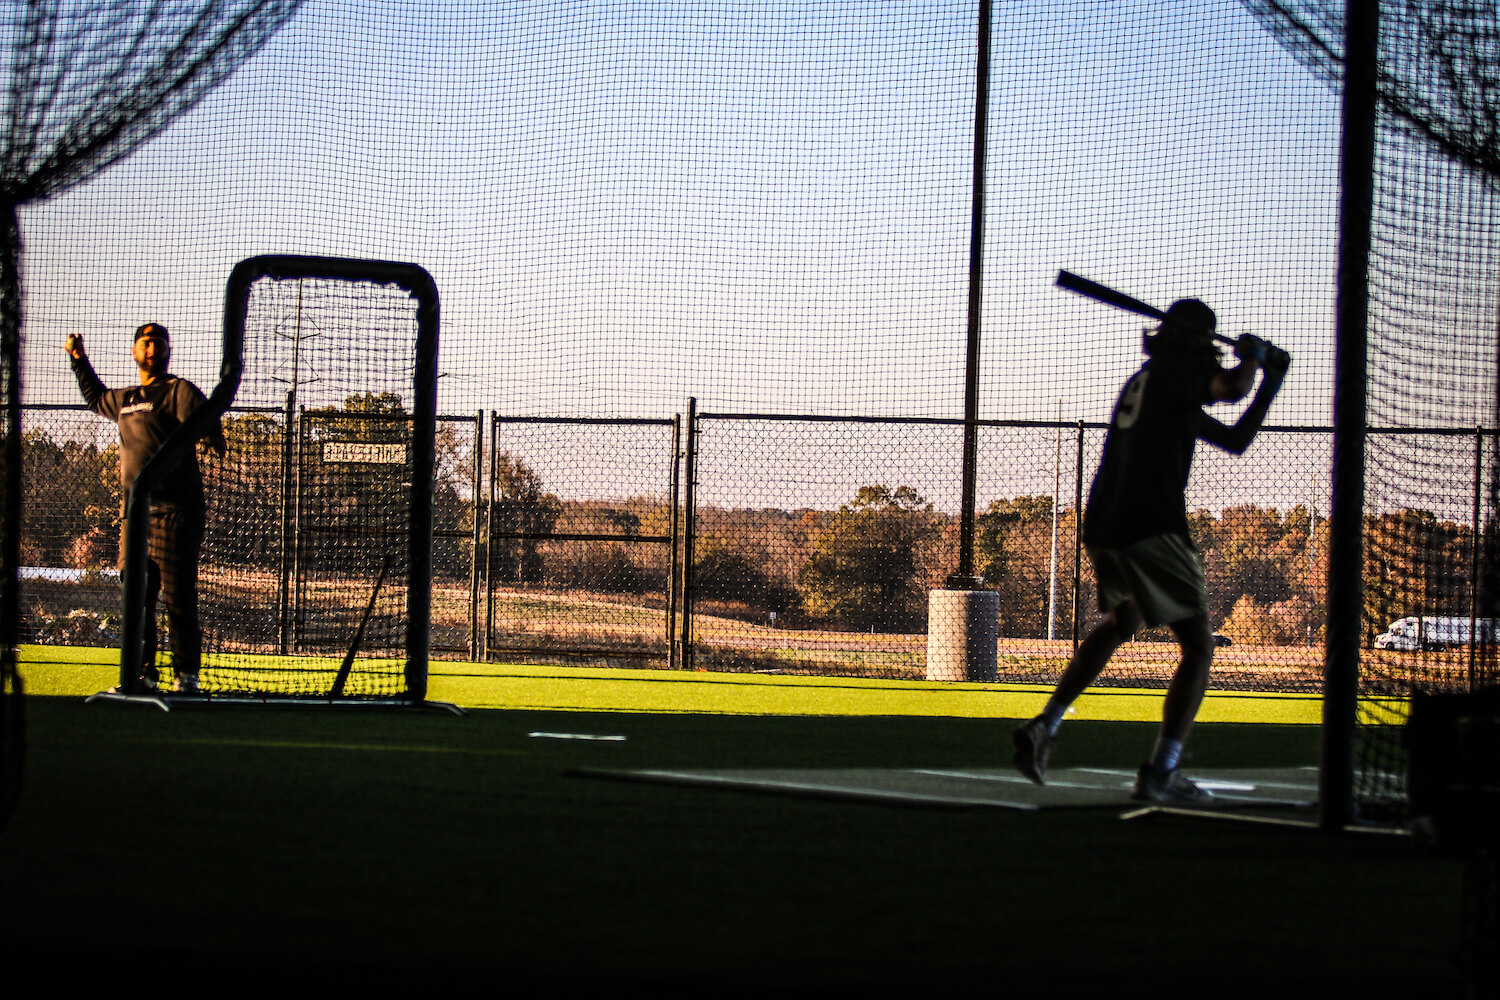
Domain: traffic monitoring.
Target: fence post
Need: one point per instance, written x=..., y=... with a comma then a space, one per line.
x=1078, y=541
x=294, y=615
x=672, y=590
x=964, y=577
x=283, y=597
x=478, y=507
x=1474, y=556
x=489, y=542
x=685, y=653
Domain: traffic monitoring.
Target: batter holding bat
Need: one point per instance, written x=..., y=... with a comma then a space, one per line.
x=1136, y=527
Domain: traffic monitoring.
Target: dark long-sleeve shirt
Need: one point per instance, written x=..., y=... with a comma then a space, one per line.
x=146, y=416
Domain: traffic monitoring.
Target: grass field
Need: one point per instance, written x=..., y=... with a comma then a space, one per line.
x=367, y=848
x=81, y=671
x=631, y=630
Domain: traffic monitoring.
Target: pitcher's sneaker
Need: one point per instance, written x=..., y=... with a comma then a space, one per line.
x=147, y=687
x=1173, y=786
x=187, y=683
x=1033, y=746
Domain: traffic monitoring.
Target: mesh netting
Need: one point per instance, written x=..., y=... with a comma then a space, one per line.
x=594, y=576
x=86, y=84
x=766, y=208
x=311, y=504
x=1431, y=601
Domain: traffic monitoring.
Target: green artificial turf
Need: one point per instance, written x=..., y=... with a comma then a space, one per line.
x=376, y=846
x=77, y=671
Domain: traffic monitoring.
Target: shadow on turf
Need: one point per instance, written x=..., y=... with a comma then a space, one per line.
x=1277, y=789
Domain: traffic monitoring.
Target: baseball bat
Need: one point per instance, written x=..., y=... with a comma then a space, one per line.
x=359, y=635
x=1103, y=293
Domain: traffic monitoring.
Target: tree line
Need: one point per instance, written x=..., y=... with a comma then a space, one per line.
x=867, y=565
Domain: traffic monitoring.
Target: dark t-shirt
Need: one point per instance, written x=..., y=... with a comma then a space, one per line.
x=1148, y=452
x=147, y=415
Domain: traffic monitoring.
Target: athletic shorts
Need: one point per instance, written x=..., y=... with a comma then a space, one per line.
x=1161, y=574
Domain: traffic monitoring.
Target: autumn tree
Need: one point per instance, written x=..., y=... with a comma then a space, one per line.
x=248, y=492
x=71, y=513
x=865, y=566
x=524, y=508
x=1013, y=550
x=1415, y=564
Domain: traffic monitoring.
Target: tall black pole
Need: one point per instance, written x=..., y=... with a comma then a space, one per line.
x=964, y=577
x=689, y=528
x=10, y=436
x=1346, y=537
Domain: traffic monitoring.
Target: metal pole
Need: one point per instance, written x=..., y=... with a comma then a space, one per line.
x=685, y=654
x=1078, y=543
x=489, y=540
x=1474, y=557
x=297, y=564
x=12, y=458
x=672, y=592
x=964, y=578
x=478, y=508
x=1346, y=541
x=288, y=481
x=289, y=476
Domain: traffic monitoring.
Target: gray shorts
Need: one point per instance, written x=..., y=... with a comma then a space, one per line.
x=1161, y=574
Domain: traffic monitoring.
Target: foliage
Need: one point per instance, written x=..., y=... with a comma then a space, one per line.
x=863, y=570
x=246, y=489
x=71, y=514
x=523, y=507
x=1256, y=623
x=1416, y=565
x=866, y=565
x=585, y=566
x=724, y=574
x=1013, y=553
x=78, y=627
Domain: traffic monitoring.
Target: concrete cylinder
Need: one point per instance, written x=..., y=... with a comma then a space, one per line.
x=963, y=631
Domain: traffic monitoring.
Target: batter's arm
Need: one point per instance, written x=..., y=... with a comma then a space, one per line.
x=1235, y=439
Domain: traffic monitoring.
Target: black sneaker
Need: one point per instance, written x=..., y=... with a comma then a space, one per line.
x=147, y=686
x=1034, y=745
x=1173, y=786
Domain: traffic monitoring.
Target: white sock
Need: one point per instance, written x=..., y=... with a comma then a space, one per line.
x=1164, y=759
x=1053, y=714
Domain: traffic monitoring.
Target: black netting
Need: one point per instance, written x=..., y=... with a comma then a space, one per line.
x=767, y=208
x=87, y=83
x=1431, y=602
x=311, y=505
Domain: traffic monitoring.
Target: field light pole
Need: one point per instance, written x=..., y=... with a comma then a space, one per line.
x=963, y=620
x=964, y=578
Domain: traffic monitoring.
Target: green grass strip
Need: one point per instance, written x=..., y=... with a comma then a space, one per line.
x=71, y=671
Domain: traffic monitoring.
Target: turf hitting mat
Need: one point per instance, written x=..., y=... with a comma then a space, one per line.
x=966, y=788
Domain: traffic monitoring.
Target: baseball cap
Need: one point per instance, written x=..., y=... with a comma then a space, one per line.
x=1192, y=315
x=153, y=330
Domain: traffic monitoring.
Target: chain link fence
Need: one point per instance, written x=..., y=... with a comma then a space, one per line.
x=813, y=544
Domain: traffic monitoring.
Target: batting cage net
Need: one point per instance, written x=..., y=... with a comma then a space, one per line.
x=1431, y=595
x=317, y=512
x=707, y=274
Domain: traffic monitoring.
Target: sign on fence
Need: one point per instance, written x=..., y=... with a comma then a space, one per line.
x=359, y=451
